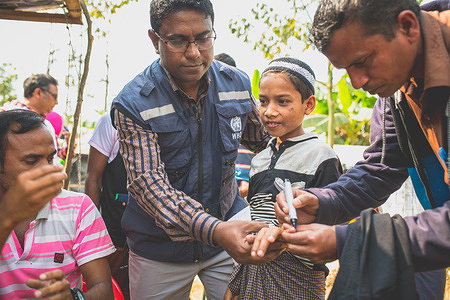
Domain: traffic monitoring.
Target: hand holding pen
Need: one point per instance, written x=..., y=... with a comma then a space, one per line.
x=289, y=199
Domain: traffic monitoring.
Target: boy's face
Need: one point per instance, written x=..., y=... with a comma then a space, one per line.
x=281, y=109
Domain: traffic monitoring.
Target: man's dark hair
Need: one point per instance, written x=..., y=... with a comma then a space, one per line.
x=33, y=82
x=17, y=121
x=225, y=58
x=161, y=9
x=377, y=16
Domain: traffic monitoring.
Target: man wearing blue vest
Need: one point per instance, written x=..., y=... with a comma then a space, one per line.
x=179, y=126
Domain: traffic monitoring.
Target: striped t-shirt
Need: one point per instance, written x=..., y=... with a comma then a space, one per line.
x=67, y=233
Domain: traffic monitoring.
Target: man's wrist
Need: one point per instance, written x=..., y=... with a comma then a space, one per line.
x=77, y=294
x=215, y=232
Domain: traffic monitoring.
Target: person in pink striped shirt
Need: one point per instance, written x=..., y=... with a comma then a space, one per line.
x=49, y=253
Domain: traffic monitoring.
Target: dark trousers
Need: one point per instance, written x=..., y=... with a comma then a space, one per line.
x=118, y=262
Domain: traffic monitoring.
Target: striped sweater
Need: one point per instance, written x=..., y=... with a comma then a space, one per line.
x=304, y=160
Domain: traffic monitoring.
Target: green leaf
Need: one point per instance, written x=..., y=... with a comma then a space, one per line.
x=344, y=95
x=255, y=84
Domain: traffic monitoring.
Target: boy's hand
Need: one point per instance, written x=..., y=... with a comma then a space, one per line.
x=266, y=239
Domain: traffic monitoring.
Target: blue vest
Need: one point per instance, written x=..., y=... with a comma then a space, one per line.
x=198, y=154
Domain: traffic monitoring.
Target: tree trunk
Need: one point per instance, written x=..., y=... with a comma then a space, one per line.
x=81, y=86
x=106, y=83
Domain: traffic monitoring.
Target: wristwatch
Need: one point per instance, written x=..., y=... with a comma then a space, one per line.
x=77, y=294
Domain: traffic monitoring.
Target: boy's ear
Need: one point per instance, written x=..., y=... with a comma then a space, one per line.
x=310, y=104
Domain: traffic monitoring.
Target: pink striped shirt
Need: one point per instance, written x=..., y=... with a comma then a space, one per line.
x=67, y=233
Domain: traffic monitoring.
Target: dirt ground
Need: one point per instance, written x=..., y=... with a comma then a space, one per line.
x=197, y=287
x=197, y=290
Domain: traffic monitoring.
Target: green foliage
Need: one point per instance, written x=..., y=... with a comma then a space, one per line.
x=352, y=116
x=276, y=29
x=6, y=84
x=104, y=9
x=255, y=84
x=349, y=96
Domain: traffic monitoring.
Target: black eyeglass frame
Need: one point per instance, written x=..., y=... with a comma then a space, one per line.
x=174, y=48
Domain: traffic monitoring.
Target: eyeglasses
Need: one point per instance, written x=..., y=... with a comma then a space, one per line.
x=182, y=45
x=55, y=96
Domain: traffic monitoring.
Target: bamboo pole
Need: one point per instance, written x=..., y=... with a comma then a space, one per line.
x=76, y=116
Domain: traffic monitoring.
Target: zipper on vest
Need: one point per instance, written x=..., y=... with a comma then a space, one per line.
x=200, y=161
x=200, y=175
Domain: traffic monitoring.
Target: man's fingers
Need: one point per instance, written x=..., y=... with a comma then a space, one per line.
x=49, y=184
x=36, y=173
x=35, y=284
x=59, y=289
x=48, y=179
x=301, y=200
x=41, y=178
x=281, y=202
x=46, y=188
x=298, y=238
x=54, y=274
x=250, y=238
x=51, y=285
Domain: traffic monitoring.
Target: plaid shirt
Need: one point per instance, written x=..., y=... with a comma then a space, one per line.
x=180, y=216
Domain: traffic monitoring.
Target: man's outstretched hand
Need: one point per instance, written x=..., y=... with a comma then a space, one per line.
x=232, y=236
x=316, y=242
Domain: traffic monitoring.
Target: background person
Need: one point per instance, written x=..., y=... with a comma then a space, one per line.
x=225, y=58
x=243, y=163
x=106, y=184
x=40, y=92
